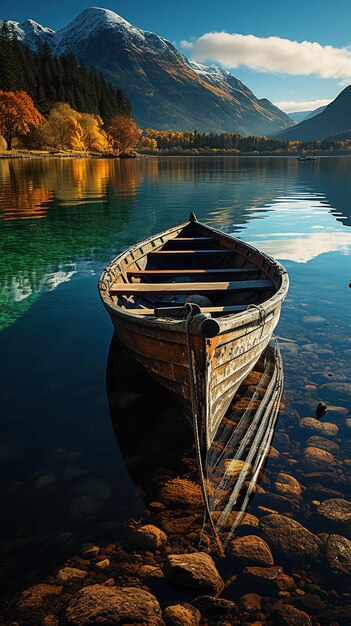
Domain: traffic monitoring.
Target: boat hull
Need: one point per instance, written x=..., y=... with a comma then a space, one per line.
x=205, y=383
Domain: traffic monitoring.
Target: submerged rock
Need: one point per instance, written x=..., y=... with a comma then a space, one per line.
x=33, y=603
x=290, y=538
x=313, y=425
x=148, y=537
x=338, y=554
x=324, y=444
x=181, y=615
x=250, y=602
x=288, y=615
x=250, y=550
x=194, y=571
x=287, y=485
x=335, y=514
x=265, y=577
x=85, y=508
x=114, y=606
x=317, y=459
x=215, y=606
x=181, y=492
x=70, y=575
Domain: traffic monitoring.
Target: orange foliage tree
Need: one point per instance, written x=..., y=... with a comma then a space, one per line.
x=18, y=115
x=125, y=133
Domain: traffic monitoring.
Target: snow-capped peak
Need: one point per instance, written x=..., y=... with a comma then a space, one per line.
x=91, y=21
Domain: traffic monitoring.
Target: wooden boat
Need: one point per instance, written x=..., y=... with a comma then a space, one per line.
x=307, y=158
x=197, y=308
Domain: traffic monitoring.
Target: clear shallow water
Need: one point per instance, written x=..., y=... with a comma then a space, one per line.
x=61, y=222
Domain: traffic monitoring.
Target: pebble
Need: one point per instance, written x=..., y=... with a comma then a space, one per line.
x=195, y=571
x=181, y=615
x=250, y=602
x=182, y=493
x=85, y=508
x=265, y=577
x=287, y=485
x=47, y=480
x=338, y=554
x=335, y=514
x=215, y=606
x=326, y=429
x=324, y=444
x=288, y=615
x=98, y=604
x=317, y=459
x=148, y=537
x=89, y=550
x=68, y=575
x=234, y=468
x=103, y=564
x=290, y=538
x=250, y=550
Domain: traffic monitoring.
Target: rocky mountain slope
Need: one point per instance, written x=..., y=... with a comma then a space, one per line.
x=166, y=89
x=335, y=118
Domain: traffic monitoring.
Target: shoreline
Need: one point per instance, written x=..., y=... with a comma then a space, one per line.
x=32, y=154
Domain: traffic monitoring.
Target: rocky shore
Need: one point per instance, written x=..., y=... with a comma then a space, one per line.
x=289, y=563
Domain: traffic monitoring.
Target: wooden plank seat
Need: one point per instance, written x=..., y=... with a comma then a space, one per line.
x=166, y=272
x=190, y=252
x=206, y=309
x=191, y=239
x=192, y=288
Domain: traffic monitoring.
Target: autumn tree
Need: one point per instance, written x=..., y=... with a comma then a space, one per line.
x=125, y=133
x=94, y=137
x=18, y=115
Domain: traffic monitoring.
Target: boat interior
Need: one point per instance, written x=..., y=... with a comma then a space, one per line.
x=192, y=263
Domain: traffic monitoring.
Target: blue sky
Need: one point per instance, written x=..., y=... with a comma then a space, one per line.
x=321, y=21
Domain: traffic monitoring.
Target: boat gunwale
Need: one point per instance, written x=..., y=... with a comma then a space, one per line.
x=227, y=321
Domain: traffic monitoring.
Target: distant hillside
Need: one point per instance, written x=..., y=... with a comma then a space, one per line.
x=335, y=118
x=167, y=90
x=48, y=78
x=344, y=135
x=300, y=116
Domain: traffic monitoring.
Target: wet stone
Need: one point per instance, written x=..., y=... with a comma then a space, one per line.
x=95, y=487
x=331, y=617
x=195, y=571
x=265, y=577
x=244, y=522
x=181, y=615
x=250, y=550
x=324, y=444
x=290, y=538
x=148, y=537
x=85, y=508
x=98, y=604
x=288, y=615
x=215, y=606
x=45, y=481
x=33, y=602
x=335, y=514
x=234, y=468
x=317, y=459
x=69, y=575
x=275, y=502
x=250, y=602
x=326, y=429
x=89, y=550
x=182, y=493
x=287, y=485
x=338, y=554
x=310, y=602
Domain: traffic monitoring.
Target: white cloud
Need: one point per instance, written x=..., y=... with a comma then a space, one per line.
x=290, y=106
x=272, y=54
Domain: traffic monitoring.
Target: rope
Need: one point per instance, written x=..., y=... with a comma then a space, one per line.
x=195, y=400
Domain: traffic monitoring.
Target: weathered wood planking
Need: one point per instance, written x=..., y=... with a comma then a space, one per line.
x=160, y=344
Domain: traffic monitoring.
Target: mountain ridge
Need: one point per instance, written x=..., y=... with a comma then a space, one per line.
x=166, y=89
x=335, y=118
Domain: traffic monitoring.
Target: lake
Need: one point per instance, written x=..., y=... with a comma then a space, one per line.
x=64, y=480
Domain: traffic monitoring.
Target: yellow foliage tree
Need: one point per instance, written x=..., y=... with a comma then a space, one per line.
x=18, y=115
x=125, y=134
x=94, y=137
x=67, y=129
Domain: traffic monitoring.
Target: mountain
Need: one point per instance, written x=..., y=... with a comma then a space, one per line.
x=165, y=88
x=299, y=116
x=311, y=114
x=335, y=118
